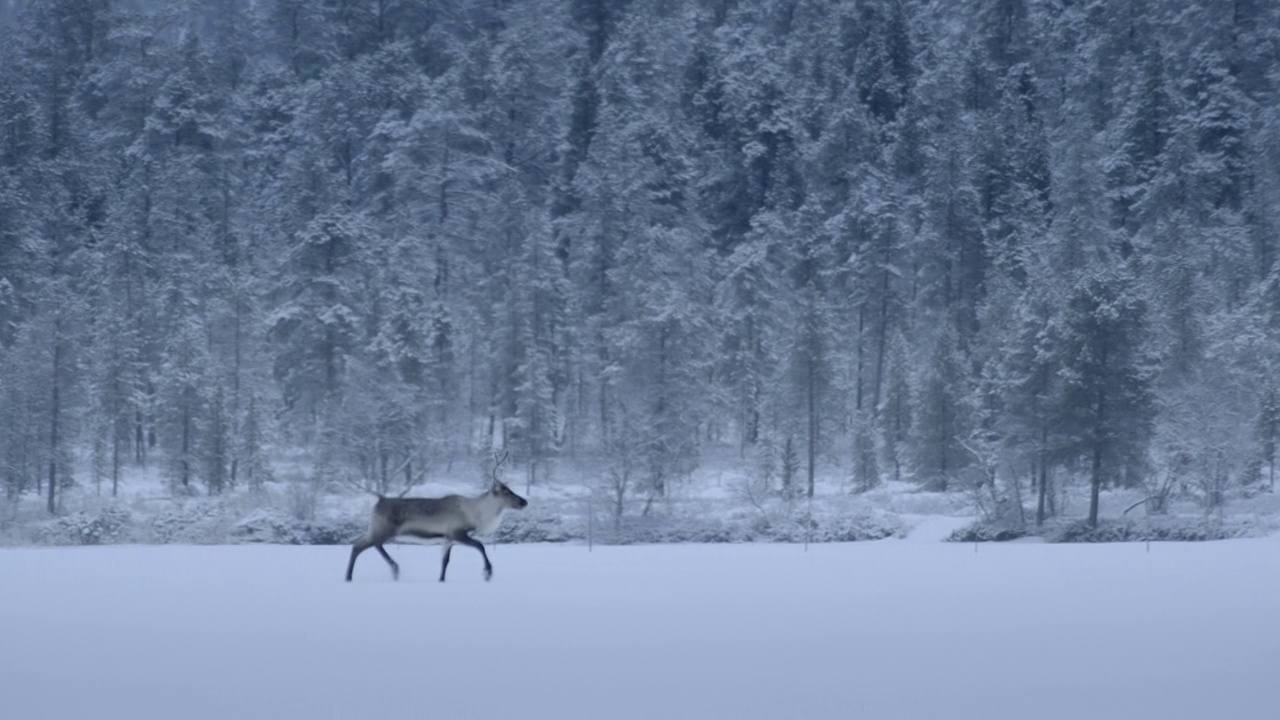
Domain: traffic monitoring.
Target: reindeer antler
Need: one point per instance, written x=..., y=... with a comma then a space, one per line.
x=418, y=477
x=497, y=463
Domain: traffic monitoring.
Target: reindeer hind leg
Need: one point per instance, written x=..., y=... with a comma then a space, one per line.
x=444, y=558
x=360, y=546
x=373, y=540
x=395, y=569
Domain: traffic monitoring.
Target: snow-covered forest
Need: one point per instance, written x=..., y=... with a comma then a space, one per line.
x=1010, y=248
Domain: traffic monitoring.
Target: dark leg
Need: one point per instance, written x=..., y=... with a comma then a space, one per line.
x=469, y=541
x=395, y=569
x=444, y=558
x=373, y=541
x=356, y=549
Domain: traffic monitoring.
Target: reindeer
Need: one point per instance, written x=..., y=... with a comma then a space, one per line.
x=451, y=519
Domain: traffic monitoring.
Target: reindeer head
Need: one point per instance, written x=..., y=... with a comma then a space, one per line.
x=508, y=498
x=499, y=489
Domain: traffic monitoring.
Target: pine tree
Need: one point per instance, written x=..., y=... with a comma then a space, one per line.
x=1107, y=402
x=789, y=468
x=896, y=409
x=1268, y=430
x=216, y=443
x=253, y=465
x=653, y=319
x=319, y=319
x=939, y=419
x=811, y=379
x=1031, y=393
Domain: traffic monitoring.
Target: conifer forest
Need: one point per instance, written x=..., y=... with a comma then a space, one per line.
x=1023, y=245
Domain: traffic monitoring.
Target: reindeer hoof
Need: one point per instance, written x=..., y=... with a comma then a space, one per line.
x=488, y=574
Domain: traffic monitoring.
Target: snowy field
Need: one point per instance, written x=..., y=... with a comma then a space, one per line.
x=889, y=629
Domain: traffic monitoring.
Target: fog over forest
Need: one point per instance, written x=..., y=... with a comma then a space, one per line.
x=1024, y=245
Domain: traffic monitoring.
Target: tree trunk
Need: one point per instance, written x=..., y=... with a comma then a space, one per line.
x=1095, y=484
x=1095, y=475
x=943, y=464
x=812, y=392
x=882, y=341
x=857, y=392
x=186, y=446
x=55, y=414
x=115, y=459
x=139, y=439
x=1044, y=475
x=237, y=357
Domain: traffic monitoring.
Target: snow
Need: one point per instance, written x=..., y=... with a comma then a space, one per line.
x=887, y=629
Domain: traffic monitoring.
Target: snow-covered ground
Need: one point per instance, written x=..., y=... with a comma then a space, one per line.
x=887, y=629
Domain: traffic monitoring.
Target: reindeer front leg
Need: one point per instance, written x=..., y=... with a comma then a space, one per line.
x=444, y=557
x=395, y=569
x=469, y=541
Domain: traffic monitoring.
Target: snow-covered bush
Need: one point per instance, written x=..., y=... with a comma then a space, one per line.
x=833, y=527
x=333, y=531
x=267, y=526
x=986, y=531
x=748, y=527
x=527, y=527
x=670, y=529
x=273, y=526
x=192, y=522
x=101, y=527
x=1148, y=529
x=272, y=516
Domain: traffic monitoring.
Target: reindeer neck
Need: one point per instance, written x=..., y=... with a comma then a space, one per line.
x=488, y=508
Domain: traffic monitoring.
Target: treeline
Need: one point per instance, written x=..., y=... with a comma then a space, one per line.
x=950, y=242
